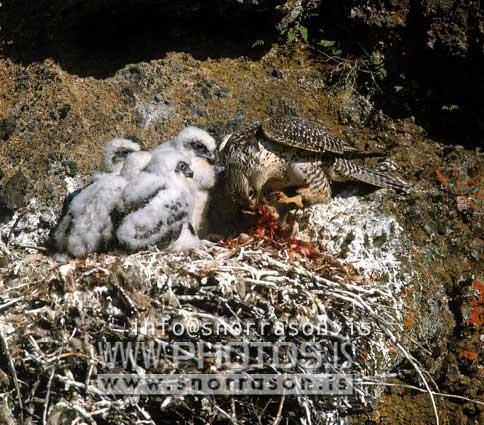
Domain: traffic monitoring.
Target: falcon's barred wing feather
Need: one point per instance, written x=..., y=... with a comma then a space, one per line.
x=345, y=170
x=303, y=134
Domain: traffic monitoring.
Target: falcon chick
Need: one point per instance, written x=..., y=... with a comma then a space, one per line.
x=116, y=152
x=134, y=180
x=159, y=203
x=283, y=152
x=86, y=225
x=86, y=222
x=200, y=148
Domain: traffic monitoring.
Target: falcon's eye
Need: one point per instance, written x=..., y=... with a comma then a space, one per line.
x=251, y=193
x=199, y=146
x=120, y=155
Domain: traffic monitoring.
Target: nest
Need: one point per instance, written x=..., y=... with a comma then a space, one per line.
x=58, y=319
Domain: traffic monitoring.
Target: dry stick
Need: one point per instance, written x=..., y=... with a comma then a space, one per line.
x=303, y=401
x=146, y=415
x=234, y=410
x=279, y=411
x=359, y=302
x=88, y=388
x=412, y=361
x=230, y=418
x=82, y=412
x=409, y=357
x=29, y=246
x=131, y=305
x=91, y=364
x=13, y=372
x=51, y=377
x=47, y=395
x=9, y=303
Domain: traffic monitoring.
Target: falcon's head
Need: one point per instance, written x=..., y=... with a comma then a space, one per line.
x=196, y=142
x=175, y=162
x=116, y=151
x=183, y=168
x=245, y=190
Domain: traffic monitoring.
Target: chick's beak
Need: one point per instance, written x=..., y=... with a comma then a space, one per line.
x=209, y=156
x=188, y=174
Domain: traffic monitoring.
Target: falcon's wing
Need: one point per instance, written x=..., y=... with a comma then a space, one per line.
x=159, y=222
x=141, y=189
x=303, y=134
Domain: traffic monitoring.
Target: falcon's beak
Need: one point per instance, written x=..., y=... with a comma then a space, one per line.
x=258, y=200
x=188, y=173
x=250, y=207
x=253, y=204
x=209, y=156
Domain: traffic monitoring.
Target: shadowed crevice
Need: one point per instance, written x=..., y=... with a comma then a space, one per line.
x=99, y=38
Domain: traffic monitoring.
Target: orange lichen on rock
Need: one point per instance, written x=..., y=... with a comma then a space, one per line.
x=469, y=355
x=441, y=178
x=472, y=182
x=409, y=320
x=476, y=318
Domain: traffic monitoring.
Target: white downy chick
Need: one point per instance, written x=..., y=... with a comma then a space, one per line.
x=87, y=224
x=159, y=204
x=116, y=152
x=200, y=147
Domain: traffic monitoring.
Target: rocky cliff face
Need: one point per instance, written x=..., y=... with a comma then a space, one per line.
x=79, y=87
x=434, y=52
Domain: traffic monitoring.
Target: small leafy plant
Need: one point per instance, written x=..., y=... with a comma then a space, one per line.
x=258, y=43
x=330, y=47
x=298, y=31
x=377, y=66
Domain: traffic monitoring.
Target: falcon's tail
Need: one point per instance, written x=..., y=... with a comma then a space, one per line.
x=343, y=170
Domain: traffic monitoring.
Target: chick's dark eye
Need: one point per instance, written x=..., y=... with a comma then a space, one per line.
x=182, y=165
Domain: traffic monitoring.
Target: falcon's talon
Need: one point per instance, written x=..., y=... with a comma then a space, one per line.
x=297, y=199
x=294, y=226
